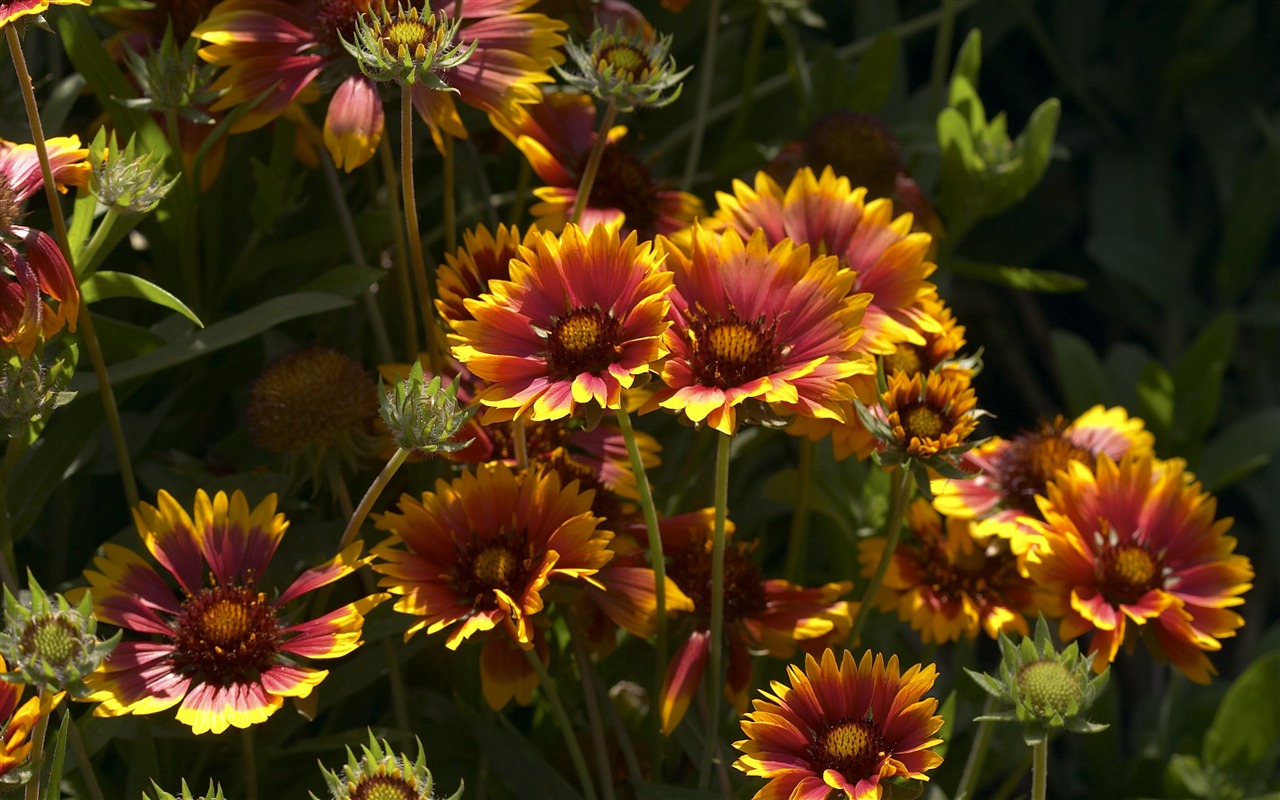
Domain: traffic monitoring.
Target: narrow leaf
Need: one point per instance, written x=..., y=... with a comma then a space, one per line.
x=105, y=285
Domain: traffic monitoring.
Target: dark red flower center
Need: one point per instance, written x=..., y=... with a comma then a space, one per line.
x=1030, y=460
x=981, y=576
x=690, y=568
x=604, y=503
x=584, y=340
x=484, y=566
x=335, y=20
x=729, y=351
x=384, y=787
x=624, y=182
x=1126, y=572
x=10, y=210
x=852, y=747
x=226, y=633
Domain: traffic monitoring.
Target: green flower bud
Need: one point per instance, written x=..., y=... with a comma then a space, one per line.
x=49, y=644
x=126, y=180
x=172, y=79
x=382, y=774
x=29, y=393
x=212, y=793
x=630, y=68
x=408, y=47
x=423, y=416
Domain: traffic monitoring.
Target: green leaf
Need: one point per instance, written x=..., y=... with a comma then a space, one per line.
x=1245, y=445
x=1156, y=399
x=518, y=763
x=1032, y=151
x=1254, y=214
x=969, y=59
x=1080, y=374
x=1245, y=734
x=53, y=787
x=876, y=70
x=105, y=285
x=347, y=280
x=1198, y=377
x=64, y=448
x=1032, y=280
x=223, y=333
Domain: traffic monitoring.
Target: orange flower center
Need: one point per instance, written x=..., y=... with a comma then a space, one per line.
x=226, y=633
x=923, y=422
x=384, y=787
x=734, y=342
x=851, y=747
x=690, y=568
x=583, y=341
x=484, y=566
x=730, y=351
x=1029, y=461
x=10, y=211
x=1126, y=572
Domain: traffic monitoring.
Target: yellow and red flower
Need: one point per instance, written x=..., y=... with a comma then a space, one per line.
x=11, y=10
x=758, y=329
x=580, y=320
x=1134, y=547
x=479, y=552
x=946, y=583
x=31, y=263
x=557, y=136
x=219, y=646
x=842, y=729
x=770, y=616
x=483, y=257
x=18, y=722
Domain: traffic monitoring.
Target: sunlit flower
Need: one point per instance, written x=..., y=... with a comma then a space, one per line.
x=11, y=10
x=18, y=722
x=479, y=552
x=945, y=583
x=760, y=331
x=580, y=321
x=943, y=341
x=1134, y=547
x=30, y=262
x=219, y=646
x=557, y=136
x=926, y=417
x=833, y=218
x=770, y=616
x=842, y=729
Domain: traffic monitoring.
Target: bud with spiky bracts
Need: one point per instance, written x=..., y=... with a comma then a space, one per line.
x=408, y=47
x=172, y=79
x=632, y=68
x=29, y=393
x=1042, y=688
x=49, y=644
x=126, y=180
x=382, y=773
x=214, y=792
x=424, y=417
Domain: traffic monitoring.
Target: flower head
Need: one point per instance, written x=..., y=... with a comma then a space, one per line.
x=218, y=647
x=125, y=179
x=632, y=68
x=423, y=417
x=212, y=793
x=381, y=773
x=11, y=10
x=758, y=329
x=51, y=645
x=925, y=419
x=1134, y=547
x=580, y=320
x=845, y=728
x=409, y=47
x=483, y=257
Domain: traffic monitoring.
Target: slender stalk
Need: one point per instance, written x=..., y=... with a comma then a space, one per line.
x=900, y=484
x=412, y=231
x=86, y=764
x=42, y=726
x=620, y=733
x=1040, y=770
x=708, y=67
x=404, y=282
x=250, y=757
x=941, y=55
x=356, y=251
x=519, y=443
x=750, y=72
x=371, y=496
x=586, y=674
x=562, y=719
x=658, y=562
x=593, y=161
x=96, y=242
x=977, y=754
x=524, y=177
x=60, y=234
x=450, y=194
x=715, y=660
x=796, y=542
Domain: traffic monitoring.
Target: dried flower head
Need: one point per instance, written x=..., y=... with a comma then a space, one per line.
x=631, y=67
x=381, y=774
x=425, y=417
x=408, y=47
x=48, y=643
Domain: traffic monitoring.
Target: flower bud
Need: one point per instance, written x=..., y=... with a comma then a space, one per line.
x=424, y=417
x=631, y=67
x=126, y=180
x=49, y=644
x=29, y=393
x=212, y=793
x=382, y=773
x=408, y=47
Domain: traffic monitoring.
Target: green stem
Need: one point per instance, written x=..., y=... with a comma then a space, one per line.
x=658, y=561
x=403, y=281
x=250, y=757
x=86, y=764
x=715, y=660
x=750, y=72
x=800, y=516
x=89, y=255
x=1040, y=770
x=593, y=161
x=562, y=719
x=371, y=496
x=412, y=231
x=520, y=443
x=941, y=56
x=42, y=726
x=977, y=754
x=586, y=674
x=704, y=95
x=60, y=234
x=900, y=488
x=524, y=177
x=450, y=194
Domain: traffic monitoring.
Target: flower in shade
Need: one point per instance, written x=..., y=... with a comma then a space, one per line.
x=11, y=10
x=759, y=330
x=30, y=262
x=945, y=583
x=943, y=341
x=483, y=257
x=580, y=320
x=18, y=722
x=557, y=136
x=479, y=552
x=220, y=648
x=1133, y=547
x=844, y=729
x=770, y=616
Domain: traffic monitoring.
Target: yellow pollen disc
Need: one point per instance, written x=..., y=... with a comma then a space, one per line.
x=924, y=422
x=734, y=342
x=579, y=333
x=495, y=566
x=406, y=33
x=851, y=741
x=624, y=59
x=54, y=642
x=226, y=622
x=1134, y=566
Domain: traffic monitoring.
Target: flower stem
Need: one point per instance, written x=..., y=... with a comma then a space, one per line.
x=977, y=754
x=715, y=660
x=1040, y=770
x=520, y=443
x=704, y=95
x=562, y=719
x=42, y=726
x=586, y=674
x=403, y=281
x=85, y=322
x=800, y=516
x=450, y=194
x=593, y=161
x=412, y=231
x=941, y=55
x=250, y=764
x=750, y=72
x=100, y=236
x=86, y=764
x=658, y=562
x=371, y=496
x=900, y=484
